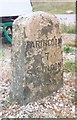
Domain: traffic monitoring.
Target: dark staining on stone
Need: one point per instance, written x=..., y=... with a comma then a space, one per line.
x=38, y=58
x=47, y=78
x=38, y=95
x=37, y=65
x=47, y=29
x=26, y=92
x=42, y=72
x=35, y=79
x=30, y=78
x=37, y=83
x=37, y=70
x=25, y=33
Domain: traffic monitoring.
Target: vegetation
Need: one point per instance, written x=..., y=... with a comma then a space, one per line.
x=71, y=30
x=57, y=8
x=9, y=101
x=54, y=7
x=68, y=29
x=70, y=66
x=68, y=49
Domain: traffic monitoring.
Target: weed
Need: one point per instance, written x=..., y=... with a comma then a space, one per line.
x=68, y=49
x=71, y=29
x=70, y=66
x=9, y=101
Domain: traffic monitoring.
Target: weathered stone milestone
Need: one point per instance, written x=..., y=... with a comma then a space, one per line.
x=36, y=57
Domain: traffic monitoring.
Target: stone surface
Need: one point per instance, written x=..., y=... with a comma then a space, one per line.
x=36, y=57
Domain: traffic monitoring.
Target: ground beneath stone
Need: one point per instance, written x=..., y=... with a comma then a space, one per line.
x=59, y=105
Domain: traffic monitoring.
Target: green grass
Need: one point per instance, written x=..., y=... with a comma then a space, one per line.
x=68, y=49
x=70, y=66
x=54, y=7
x=9, y=101
x=71, y=29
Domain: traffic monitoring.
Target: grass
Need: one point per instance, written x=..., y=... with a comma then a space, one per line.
x=70, y=66
x=68, y=49
x=57, y=8
x=71, y=29
x=54, y=7
x=9, y=101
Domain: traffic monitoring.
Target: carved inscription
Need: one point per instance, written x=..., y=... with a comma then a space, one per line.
x=48, y=55
x=56, y=67
x=44, y=43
